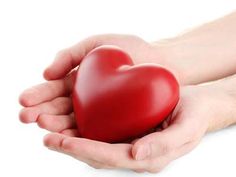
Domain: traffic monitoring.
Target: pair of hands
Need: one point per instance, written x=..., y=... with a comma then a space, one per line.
x=49, y=105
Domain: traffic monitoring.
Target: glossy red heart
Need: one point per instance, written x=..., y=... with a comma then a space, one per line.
x=115, y=100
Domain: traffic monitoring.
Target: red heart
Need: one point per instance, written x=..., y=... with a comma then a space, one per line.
x=115, y=100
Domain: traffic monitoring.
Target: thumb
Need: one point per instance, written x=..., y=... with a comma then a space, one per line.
x=161, y=143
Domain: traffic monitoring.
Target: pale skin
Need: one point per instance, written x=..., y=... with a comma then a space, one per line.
x=204, y=54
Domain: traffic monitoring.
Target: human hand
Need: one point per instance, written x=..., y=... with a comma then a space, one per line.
x=51, y=101
x=49, y=105
x=199, y=110
x=139, y=50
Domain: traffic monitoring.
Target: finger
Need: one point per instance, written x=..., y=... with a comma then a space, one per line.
x=58, y=106
x=47, y=91
x=166, y=122
x=71, y=57
x=55, y=144
x=56, y=123
x=134, y=141
x=114, y=155
x=160, y=143
x=57, y=141
x=91, y=163
x=68, y=59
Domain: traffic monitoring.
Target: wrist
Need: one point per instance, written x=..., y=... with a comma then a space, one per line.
x=166, y=55
x=191, y=53
x=221, y=98
x=184, y=55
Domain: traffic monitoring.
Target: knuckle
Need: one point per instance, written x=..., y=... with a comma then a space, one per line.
x=63, y=105
x=68, y=145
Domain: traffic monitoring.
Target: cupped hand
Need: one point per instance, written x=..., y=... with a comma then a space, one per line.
x=51, y=101
x=69, y=58
x=198, y=108
x=49, y=104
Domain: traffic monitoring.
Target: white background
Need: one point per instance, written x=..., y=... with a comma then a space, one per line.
x=31, y=32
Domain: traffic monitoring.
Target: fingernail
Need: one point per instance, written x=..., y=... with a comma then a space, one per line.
x=143, y=152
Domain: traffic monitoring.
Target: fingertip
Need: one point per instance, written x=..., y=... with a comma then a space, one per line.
x=57, y=70
x=134, y=151
x=47, y=74
x=54, y=72
x=43, y=122
x=53, y=140
x=49, y=140
x=141, y=149
x=60, y=142
x=27, y=97
x=22, y=116
x=134, y=148
x=24, y=100
x=61, y=65
x=134, y=141
x=27, y=116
